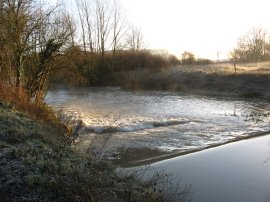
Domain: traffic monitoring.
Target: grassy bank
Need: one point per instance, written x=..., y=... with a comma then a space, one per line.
x=250, y=80
x=37, y=165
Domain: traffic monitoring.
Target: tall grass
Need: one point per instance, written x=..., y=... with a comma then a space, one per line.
x=40, y=111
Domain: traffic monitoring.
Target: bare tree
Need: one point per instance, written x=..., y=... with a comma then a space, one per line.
x=81, y=6
x=53, y=37
x=103, y=25
x=33, y=33
x=253, y=46
x=134, y=39
x=119, y=26
x=87, y=20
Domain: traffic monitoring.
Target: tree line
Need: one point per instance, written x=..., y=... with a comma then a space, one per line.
x=39, y=41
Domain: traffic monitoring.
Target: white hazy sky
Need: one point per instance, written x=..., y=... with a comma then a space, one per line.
x=204, y=27
x=201, y=26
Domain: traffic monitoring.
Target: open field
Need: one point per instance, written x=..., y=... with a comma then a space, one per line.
x=227, y=68
x=250, y=80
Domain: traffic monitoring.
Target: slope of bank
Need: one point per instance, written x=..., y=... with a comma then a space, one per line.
x=37, y=165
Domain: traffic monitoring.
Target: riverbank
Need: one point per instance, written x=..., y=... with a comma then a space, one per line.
x=237, y=171
x=250, y=81
x=36, y=164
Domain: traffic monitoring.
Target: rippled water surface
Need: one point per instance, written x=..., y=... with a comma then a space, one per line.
x=141, y=122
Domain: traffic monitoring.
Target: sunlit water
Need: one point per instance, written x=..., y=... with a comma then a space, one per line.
x=141, y=122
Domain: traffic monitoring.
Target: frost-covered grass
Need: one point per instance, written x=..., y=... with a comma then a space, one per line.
x=250, y=80
x=37, y=165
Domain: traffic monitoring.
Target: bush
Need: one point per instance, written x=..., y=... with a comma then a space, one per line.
x=19, y=100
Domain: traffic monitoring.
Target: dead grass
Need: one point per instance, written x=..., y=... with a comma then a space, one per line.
x=19, y=100
x=227, y=68
x=251, y=79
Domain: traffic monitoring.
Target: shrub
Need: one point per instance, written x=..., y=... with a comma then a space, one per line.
x=18, y=99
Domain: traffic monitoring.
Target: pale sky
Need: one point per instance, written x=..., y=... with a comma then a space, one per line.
x=201, y=26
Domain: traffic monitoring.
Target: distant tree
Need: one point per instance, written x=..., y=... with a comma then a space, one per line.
x=252, y=47
x=173, y=60
x=188, y=58
x=203, y=61
x=102, y=25
x=119, y=26
x=134, y=40
x=85, y=22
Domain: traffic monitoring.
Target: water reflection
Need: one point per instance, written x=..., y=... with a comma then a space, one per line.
x=233, y=172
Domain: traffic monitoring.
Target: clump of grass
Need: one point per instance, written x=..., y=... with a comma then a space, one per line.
x=19, y=99
x=164, y=185
x=22, y=104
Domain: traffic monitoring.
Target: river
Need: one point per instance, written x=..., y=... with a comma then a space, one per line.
x=142, y=126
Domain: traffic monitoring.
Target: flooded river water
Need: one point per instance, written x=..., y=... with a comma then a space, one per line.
x=145, y=125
